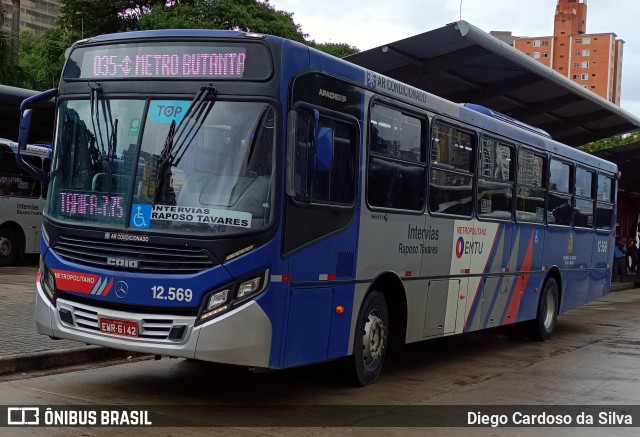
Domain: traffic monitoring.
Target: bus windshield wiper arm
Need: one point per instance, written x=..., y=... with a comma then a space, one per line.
x=181, y=135
x=111, y=151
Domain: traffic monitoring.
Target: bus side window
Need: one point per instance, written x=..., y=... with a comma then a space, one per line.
x=495, y=180
x=560, y=198
x=452, y=167
x=583, y=217
x=604, y=205
x=396, y=171
x=531, y=188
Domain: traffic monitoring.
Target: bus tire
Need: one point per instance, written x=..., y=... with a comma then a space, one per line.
x=544, y=324
x=8, y=247
x=371, y=339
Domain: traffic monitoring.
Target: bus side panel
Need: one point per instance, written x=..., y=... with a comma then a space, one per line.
x=556, y=253
x=528, y=262
x=493, y=288
x=312, y=318
x=600, y=273
x=578, y=260
x=309, y=323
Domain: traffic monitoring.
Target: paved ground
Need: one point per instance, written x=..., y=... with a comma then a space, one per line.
x=22, y=349
x=17, y=322
x=593, y=359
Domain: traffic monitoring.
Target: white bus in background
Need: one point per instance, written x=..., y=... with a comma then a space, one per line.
x=21, y=201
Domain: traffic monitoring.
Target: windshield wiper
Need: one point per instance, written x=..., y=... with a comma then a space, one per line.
x=181, y=135
x=111, y=152
x=108, y=155
x=95, y=114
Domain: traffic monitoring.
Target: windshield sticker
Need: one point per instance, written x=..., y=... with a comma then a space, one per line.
x=141, y=216
x=165, y=111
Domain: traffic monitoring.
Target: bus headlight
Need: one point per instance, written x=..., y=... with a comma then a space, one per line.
x=249, y=287
x=215, y=302
x=47, y=280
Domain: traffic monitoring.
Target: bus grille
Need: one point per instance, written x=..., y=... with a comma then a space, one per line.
x=151, y=327
x=150, y=258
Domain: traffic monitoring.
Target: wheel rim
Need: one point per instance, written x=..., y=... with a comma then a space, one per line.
x=550, y=310
x=5, y=247
x=374, y=338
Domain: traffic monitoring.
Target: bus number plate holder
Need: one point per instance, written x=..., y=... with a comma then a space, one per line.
x=126, y=328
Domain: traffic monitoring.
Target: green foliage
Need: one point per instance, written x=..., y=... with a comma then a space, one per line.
x=41, y=57
x=614, y=141
x=8, y=74
x=339, y=50
x=245, y=15
x=86, y=18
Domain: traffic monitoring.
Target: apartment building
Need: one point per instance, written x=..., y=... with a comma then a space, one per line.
x=593, y=61
x=36, y=15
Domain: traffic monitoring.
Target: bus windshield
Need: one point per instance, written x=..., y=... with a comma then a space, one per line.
x=109, y=168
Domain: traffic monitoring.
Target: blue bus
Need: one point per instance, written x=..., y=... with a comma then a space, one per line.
x=241, y=198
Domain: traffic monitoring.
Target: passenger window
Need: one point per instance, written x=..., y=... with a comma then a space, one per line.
x=560, y=199
x=583, y=214
x=495, y=181
x=396, y=174
x=395, y=134
x=604, y=203
x=531, y=189
x=452, y=166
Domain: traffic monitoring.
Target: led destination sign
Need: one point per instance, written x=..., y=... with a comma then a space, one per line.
x=169, y=60
x=166, y=65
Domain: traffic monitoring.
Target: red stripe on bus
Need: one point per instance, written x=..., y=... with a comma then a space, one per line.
x=521, y=286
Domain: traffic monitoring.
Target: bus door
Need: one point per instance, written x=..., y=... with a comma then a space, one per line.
x=320, y=232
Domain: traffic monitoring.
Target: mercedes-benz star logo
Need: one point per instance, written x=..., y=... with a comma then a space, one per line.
x=122, y=289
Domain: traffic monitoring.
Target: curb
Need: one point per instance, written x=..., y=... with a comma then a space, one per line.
x=622, y=286
x=59, y=358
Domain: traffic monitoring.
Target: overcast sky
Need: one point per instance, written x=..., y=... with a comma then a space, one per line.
x=372, y=23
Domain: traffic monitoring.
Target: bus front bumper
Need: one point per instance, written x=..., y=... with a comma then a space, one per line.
x=241, y=336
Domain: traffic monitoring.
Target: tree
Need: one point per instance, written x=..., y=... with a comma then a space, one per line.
x=339, y=50
x=247, y=15
x=614, y=141
x=42, y=57
x=86, y=18
x=15, y=31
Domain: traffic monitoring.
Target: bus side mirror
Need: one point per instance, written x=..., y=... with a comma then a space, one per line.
x=323, y=142
x=324, y=149
x=26, y=110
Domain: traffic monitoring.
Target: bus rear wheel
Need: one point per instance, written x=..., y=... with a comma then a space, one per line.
x=543, y=326
x=8, y=247
x=371, y=339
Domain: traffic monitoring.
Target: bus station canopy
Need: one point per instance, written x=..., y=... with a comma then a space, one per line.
x=627, y=157
x=464, y=64
x=41, y=121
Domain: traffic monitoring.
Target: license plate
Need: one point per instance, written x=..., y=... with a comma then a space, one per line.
x=125, y=328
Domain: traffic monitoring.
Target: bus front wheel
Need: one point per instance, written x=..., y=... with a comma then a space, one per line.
x=8, y=247
x=371, y=339
x=543, y=326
